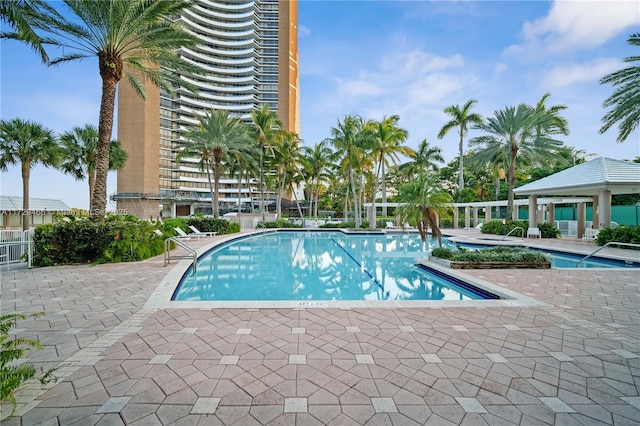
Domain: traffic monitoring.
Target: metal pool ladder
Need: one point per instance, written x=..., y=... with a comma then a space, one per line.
x=610, y=243
x=167, y=251
x=513, y=230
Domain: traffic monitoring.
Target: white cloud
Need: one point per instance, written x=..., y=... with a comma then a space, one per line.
x=577, y=24
x=588, y=72
x=411, y=75
x=303, y=30
x=362, y=88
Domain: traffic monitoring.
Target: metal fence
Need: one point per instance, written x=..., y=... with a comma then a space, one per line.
x=15, y=247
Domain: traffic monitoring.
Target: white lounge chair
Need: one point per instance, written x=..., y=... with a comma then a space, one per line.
x=590, y=234
x=407, y=226
x=534, y=232
x=182, y=234
x=390, y=225
x=196, y=231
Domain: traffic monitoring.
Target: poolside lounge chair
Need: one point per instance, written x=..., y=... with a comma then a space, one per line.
x=590, y=234
x=390, y=225
x=183, y=234
x=407, y=226
x=534, y=232
x=196, y=231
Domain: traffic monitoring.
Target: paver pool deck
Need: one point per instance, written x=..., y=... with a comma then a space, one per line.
x=575, y=360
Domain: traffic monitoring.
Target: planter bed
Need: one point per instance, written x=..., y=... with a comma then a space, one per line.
x=492, y=264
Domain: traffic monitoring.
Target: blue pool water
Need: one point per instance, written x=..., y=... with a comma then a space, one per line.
x=313, y=266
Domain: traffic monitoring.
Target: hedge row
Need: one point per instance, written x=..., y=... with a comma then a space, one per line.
x=498, y=228
x=117, y=239
x=493, y=254
x=621, y=234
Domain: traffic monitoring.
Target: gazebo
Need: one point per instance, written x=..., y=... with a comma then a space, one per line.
x=599, y=178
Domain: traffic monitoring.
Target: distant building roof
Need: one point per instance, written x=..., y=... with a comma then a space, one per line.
x=9, y=203
x=617, y=176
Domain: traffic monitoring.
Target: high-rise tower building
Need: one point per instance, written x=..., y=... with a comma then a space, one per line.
x=249, y=51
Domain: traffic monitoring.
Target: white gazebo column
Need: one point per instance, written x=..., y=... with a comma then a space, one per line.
x=475, y=216
x=487, y=214
x=551, y=213
x=467, y=219
x=456, y=217
x=595, y=217
x=604, y=209
x=514, y=214
x=582, y=214
x=533, y=211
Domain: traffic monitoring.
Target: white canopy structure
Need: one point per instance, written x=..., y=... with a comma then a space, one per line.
x=598, y=178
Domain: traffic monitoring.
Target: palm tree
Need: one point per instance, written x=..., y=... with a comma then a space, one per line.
x=266, y=126
x=80, y=148
x=460, y=119
x=244, y=162
x=29, y=144
x=625, y=99
x=21, y=15
x=217, y=136
x=288, y=166
x=423, y=201
x=131, y=39
x=347, y=139
x=318, y=161
x=386, y=140
x=424, y=160
x=516, y=132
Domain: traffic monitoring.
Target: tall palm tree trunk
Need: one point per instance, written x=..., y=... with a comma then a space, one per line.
x=111, y=72
x=372, y=225
x=384, y=191
x=216, y=183
x=512, y=181
x=211, y=189
x=461, y=177
x=26, y=174
x=262, y=181
x=240, y=191
x=91, y=178
x=355, y=197
x=295, y=197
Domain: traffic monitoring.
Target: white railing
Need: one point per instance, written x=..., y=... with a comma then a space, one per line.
x=16, y=247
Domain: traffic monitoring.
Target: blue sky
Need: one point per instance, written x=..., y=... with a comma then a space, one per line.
x=377, y=58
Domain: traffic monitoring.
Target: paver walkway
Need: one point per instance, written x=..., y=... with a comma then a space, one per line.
x=575, y=361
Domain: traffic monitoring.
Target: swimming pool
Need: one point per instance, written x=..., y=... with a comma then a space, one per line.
x=319, y=266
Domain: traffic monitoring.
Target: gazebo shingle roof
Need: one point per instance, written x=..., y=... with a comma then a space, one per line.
x=617, y=176
x=10, y=203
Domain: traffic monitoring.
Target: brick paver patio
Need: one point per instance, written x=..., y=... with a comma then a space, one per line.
x=574, y=361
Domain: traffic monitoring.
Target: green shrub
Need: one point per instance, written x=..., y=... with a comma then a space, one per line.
x=496, y=227
x=621, y=234
x=280, y=223
x=169, y=224
x=209, y=224
x=12, y=372
x=345, y=225
x=233, y=228
x=117, y=239
x=493, y=254
x=132, y=241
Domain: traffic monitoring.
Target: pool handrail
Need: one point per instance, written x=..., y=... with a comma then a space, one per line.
x=610, y=243
x=510, y=232
x=178, y=240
